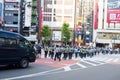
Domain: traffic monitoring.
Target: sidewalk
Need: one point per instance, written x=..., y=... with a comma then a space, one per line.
x=50, y=62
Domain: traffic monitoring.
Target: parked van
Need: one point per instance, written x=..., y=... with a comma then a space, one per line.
x=15, y=49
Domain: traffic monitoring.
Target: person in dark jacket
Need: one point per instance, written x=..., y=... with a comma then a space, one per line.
x=37, y=48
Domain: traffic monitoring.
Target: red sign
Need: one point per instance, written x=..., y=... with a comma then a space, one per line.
x=113, y=16
x=78, y=28
x=96, y=15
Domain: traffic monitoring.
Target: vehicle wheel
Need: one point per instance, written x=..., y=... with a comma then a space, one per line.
x=24, y=63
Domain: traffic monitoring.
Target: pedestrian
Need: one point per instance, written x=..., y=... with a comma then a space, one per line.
x=46, y=51
x=57, y=56
x=76, y=52
x=37, y=48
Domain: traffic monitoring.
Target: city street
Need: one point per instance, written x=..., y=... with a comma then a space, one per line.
x=101, y=67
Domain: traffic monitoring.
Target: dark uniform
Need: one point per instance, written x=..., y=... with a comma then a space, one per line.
x=46, y=52
x=57, y=56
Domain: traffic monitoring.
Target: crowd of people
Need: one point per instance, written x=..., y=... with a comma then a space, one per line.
x=68, y=52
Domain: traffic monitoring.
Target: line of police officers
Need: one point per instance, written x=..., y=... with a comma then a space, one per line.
x=67, y=52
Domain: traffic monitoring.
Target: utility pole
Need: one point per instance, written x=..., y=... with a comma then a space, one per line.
x=39, y=23
x=21, y=16
x=74, y=23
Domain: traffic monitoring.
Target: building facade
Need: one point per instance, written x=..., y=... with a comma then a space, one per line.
x=106, y=23
x=84, y=22
x=55, y=13
x=17, y=15
x=11, y=15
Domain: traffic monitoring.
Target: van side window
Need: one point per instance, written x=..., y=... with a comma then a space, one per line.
x=8, y=43
x=22, y=43
x=2, y=42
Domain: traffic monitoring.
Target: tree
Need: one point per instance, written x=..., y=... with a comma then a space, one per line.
x=46, y=34
x=66, y=32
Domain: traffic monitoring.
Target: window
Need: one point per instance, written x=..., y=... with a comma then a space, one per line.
x=47, y=17
x=15, y=22
x=2, y=41
x=15, y=14
x=25, y=44
x=8, y=43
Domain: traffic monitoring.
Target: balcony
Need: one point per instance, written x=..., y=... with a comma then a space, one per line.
x=33, y=12
x=34, y=4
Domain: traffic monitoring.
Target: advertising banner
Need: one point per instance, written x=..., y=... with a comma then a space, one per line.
x=96, y=15
x=113, y=11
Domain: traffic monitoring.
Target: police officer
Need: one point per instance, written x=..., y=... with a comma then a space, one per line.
x=57, y=56
x=65, y=54
x=46, y=51
x=70, y=52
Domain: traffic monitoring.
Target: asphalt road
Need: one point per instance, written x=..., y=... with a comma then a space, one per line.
x=102, y=67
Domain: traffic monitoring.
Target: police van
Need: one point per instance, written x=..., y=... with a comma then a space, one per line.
x=15, y=49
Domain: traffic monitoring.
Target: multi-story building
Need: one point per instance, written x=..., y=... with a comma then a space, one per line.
x=107, y=23
x=11, y=15
x=55, y=13
x=17, y=16
x=84, y=25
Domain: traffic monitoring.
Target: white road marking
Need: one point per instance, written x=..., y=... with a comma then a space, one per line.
x=67, y=68
x=89, y=63
x=103, y=59
x=108, y=60
x=30, y=75
x=81, y=65
x=116, y=60
x=97, y=62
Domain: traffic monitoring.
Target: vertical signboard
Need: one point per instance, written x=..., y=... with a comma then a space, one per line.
x=39, y=11
x=96, y=14
x=113, y=11
x=28, y=12
x=0, y=13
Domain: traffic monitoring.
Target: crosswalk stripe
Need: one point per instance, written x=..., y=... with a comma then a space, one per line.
x=108, y=60
x=89, y=63
x=81, y=65
x=116, y=60
x=97, y=62
x=103, y=59
x=67, y=68
x=98, y=58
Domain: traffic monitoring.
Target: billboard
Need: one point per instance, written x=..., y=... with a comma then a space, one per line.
x=113, y=11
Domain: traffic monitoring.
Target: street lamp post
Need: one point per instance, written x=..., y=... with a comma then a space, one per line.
x=22, y=12
x=74, y=24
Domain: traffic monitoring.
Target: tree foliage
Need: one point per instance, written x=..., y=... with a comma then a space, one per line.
x=46, y=33
x=66, y=32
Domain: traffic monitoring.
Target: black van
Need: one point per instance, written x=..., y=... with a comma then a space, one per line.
x=15, y=49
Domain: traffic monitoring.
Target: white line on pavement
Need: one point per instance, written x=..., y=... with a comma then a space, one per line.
x=108, y=60
x=30, y=75
x=97, y=62
x=81, y=65
x=116, y=60
x=67, y=68
x=89, y=63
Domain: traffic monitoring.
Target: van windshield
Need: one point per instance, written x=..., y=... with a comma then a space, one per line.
x=25, y=43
